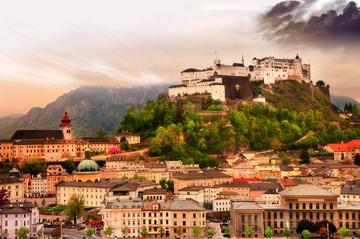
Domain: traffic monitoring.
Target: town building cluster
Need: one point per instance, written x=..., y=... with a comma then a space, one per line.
x=56, y=145
x=234, y=81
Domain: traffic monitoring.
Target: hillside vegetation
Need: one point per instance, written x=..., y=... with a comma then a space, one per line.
x=177, y=132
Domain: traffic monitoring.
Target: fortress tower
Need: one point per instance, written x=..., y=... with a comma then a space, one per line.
x=66, y=126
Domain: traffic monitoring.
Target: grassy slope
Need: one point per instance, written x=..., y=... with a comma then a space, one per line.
x=297, y=97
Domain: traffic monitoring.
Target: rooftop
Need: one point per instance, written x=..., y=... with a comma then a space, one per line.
x=307, y=190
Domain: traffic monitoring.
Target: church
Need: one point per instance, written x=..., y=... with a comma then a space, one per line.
x=51, y=145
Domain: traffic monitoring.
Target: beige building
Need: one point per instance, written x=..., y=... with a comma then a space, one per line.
x=192, y=192
x=161, y=219
x=14, y=187
x=94, y=192
x=131, y=138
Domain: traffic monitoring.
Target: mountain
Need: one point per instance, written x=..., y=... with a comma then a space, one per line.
x=89, y=108
x=340, y=101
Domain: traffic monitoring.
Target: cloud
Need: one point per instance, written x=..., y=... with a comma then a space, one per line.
x=303, y=23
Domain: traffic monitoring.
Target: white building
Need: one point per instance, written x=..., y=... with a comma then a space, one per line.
x=221, y=204
x=211, y=80
x=16, y=215
x=38, y=186
x=131, y=138
x=192, y=192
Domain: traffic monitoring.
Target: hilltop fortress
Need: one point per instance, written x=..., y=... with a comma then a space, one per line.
x=234, y=81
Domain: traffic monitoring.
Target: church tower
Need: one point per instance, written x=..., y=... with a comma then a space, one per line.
x=66, y=126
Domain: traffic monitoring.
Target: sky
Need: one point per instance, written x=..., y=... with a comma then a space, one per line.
x=51, y=47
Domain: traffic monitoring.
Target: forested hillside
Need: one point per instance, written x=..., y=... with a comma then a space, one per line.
x=178, y=132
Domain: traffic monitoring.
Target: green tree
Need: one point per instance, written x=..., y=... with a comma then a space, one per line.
x=101, y=133
x=43, y=202
x=22, y=233
x=285, y=160
x=34, y=166
x=69, y=165
x=125, y=231
x=170, y=186
x=358, y=231
x=286, y=232
x=211, y=232
x=249, y=231
x=162, y=231
x=108, y=231
x=357, y=159
x=179, y=231
x=144, y=232
x=344, y=232
x=268, y=232
x=306, y=234
x=75, y=207
x=320, y=83
x=40, y=233
x=90, y=232
x=197, y=231
x=124, y=143
x=228, y=231
x=163, y=183
x=305, y=157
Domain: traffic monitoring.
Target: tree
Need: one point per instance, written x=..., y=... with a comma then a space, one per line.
x=124, y=143
x=34, y=166
x=357, y=159
x=22, y=233
x=75, y=207
x=306, y=234
x=286, y=232
x=344, y=232
x=228, y=231
x=101, y=133
x=4, y=197
x=249, y=231
x=43, y=202
x=162, y=231
x=144, y=232
x=358, y=231
x=305, y=157
x=197, y=231
x=163, y=183
x=320, y=83
x=179, y=231
x=69, y=165
x=323, y=232
x=268, y=232
x=303, y=225
x=40, y=233
x=211, y=232
x=56, y=232
x=125, y=231
x=108, y=231
x=90, y=231
x=170, y=186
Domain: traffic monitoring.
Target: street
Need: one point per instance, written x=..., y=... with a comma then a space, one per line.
x=75, y=234
x=217, y=228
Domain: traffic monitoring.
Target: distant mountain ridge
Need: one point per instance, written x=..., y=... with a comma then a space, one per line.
x=340, y=101
x=89, y=108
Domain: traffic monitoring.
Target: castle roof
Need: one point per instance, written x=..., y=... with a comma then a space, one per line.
x=191, y=70
x=37, y=134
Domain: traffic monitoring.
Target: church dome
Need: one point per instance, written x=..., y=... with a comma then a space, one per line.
x=88, y=165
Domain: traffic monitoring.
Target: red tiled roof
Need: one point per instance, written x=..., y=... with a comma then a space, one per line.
x=353, y=144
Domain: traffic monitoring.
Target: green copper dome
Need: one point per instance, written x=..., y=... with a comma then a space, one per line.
x=88, y=165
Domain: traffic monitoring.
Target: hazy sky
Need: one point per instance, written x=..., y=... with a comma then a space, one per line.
x=51, y=47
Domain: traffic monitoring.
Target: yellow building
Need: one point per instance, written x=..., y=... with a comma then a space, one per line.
x=14, y=187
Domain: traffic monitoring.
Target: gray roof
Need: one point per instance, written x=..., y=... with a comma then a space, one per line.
x=351, y=190
x=246, y=206
x=183, y=205
x=307, y=190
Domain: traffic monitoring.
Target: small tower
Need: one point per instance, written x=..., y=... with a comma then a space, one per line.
x=242, y=60
x=66, y=126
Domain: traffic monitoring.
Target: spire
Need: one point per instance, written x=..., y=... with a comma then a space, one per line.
x=297, y=57
x=242, y=60
x=65, y=120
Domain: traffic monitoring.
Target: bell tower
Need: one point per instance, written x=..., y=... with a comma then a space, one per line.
x=66, y=126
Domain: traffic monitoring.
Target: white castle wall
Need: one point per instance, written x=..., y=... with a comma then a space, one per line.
x=217, y=91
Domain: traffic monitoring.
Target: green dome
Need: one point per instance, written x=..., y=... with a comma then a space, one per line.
x=88, y=165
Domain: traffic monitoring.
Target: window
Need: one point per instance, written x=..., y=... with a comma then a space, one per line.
x=340, y=215
x=290, y=215
x=184, y=215
x=317, y=215
x=324, y=216
x=249, y=218
x=281, y=215
x=317, y=206
x=347, y=215
x=297, y=205
x=311, y=205
x=290, y=205
x=255, y=218
x=324, y=205
x=304, y=206
x=331, y=206
x=242, y=218
x=297, y=215
x=175, y=215
x=331, y=216
x=304, y=215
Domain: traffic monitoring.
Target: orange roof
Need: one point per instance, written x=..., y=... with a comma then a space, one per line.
x=287, y=182
x=339, y=147
x=353, y=144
